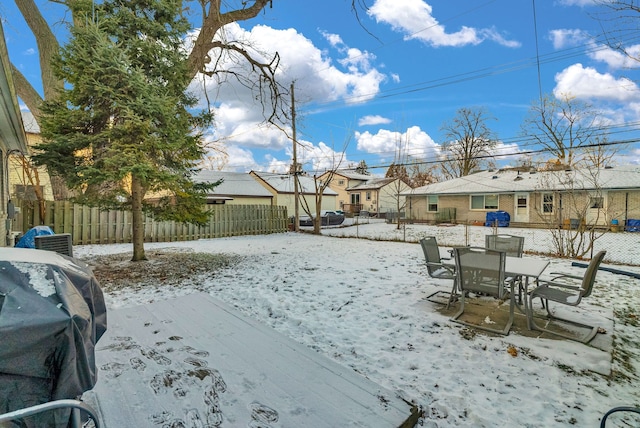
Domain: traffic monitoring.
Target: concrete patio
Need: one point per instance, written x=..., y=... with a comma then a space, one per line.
x=492, y=313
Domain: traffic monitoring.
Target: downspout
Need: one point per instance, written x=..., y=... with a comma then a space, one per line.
x=626, y=210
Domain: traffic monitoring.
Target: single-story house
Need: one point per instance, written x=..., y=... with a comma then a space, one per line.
x=282, y=187
x=236, y=188
x=12, y=137
x=357, y=192
x=596, y=196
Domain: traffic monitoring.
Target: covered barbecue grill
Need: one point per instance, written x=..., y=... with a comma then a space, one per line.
x=52, y=313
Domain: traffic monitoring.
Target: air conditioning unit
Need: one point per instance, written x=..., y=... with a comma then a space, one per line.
x=60, y=243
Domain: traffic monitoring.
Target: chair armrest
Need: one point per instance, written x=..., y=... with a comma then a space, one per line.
x=558, y=284
x=564, y=275
x=443, y=266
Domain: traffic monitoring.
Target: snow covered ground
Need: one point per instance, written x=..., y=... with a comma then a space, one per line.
x=361, y=302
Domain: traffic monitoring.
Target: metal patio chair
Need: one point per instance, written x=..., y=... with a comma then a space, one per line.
x=76, y=408
x=481, y=271
x=511, y=244
x=567, y=290
x=436, y=268
x=627, y=409
x=514, y=247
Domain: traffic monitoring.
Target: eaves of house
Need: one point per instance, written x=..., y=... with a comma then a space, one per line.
x=234, y=184
x=12, y=134
x=371, y=184
x=285, y=183
x=350, y=174
x=510, y=181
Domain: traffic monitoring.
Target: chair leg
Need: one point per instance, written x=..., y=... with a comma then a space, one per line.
x=504, y=331
x=454, y=294
x=531, y=324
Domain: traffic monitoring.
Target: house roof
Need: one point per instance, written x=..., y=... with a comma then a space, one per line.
x=29, y=122
x=372, y=184
x=509, y=181
x=352, y=174
x=12, y=133
x=284, y=183
x=234, y=184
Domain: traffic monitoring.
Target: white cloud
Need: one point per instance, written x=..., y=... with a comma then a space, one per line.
x=565, y=38
x=373, y=120
x=333, y=39
x=317, y=77
x=321, y=157
x=353, y=78
x=29, y=52
x=236, y=159
x=276, y=166
x=616, y=59
x=416, y=20
x=413, y=142
x=580, y=3
x=588, y=83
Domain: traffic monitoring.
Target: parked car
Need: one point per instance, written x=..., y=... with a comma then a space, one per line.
x=327, y=218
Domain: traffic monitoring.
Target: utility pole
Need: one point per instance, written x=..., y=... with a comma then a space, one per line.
x=296, y=194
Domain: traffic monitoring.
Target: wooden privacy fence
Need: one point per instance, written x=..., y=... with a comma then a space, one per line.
x=90, y=225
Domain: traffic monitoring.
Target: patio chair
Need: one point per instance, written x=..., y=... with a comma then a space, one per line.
x=76, y=408
x=436, y=268
x=511, y=244
x=628, y=409
x=567, y=290
x=514, y=247
x=481, y=271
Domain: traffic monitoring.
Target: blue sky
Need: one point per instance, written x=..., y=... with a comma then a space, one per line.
x=395, y=79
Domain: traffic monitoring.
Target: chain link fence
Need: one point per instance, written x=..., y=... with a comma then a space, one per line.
x=621, y=247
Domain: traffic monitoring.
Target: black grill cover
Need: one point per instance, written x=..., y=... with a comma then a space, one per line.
x=52, y=313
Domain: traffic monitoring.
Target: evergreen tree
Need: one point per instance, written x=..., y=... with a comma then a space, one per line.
x=123, y=127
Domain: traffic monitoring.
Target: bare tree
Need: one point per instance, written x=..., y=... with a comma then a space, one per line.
x=468, y=144
x=398, y=171
x=208, y=49
x=29, y=176
x=621, y=16
x=575, y=209
x=321, y=182
x=420, y=175
x=565, y=127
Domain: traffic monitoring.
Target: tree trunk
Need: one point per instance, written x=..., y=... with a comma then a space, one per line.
x=27, y=93
x=211, y=23
x=48, y=47
x=137, y=194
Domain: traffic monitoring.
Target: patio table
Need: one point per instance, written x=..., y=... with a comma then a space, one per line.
x=527, y=267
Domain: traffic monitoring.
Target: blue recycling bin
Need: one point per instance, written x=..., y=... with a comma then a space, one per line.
x=501, y=218
x=633, y=225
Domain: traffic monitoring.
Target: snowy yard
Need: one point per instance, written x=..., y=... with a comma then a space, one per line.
x=361, y=303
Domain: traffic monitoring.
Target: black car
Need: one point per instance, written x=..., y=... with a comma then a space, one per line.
x=327, y=218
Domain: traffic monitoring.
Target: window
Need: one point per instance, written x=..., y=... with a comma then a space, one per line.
x=27, y=192
x=484, y=202
x=340, y=182
x=522, y=202
x=355, y=198
x=596, y=202
x=368, y=196
x=432, y=203
x=547, y=203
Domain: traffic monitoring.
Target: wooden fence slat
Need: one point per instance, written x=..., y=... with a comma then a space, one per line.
x=90, y=225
